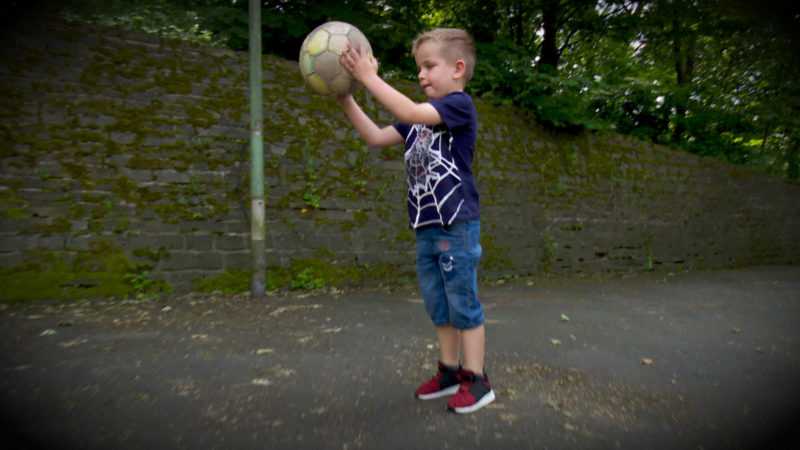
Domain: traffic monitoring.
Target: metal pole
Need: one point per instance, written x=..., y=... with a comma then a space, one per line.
x=257, y=222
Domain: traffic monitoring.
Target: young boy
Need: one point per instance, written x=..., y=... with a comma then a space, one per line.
x=439, y=138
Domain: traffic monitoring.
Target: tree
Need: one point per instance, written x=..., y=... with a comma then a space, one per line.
x=765, y=75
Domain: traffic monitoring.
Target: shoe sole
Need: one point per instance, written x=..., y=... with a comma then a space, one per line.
x=485, y=400
x=438, y=394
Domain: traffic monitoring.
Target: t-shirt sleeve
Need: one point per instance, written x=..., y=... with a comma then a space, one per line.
x=402, y=129
x=455, y=109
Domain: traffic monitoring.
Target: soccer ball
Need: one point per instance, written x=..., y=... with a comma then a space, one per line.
x=320, y=58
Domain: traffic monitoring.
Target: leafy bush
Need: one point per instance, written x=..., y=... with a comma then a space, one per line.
x=506, y=73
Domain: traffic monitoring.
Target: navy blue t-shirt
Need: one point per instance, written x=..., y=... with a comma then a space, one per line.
x=441, y=188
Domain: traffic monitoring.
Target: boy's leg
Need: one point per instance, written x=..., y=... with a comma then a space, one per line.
x=474, y=341
x=474, y=392
x=447, y=379
x=449, y=343
x=460, y=280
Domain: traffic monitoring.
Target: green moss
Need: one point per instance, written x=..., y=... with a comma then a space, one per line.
x=100, y=271
x=228, y=282
x=11, y=205
x=125, y=189
x=58, y=282
x=200, y=117
x=143, y=162
x=494, y=257
x=75, y=170
x=58, y=225
x=360, y=218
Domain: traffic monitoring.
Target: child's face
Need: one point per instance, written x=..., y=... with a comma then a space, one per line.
x=436, y=76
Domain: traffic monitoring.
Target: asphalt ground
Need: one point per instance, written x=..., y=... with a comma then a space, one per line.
x=689, y=360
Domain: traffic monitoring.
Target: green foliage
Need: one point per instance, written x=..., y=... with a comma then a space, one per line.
x=506, y=75
x=285, y=24
x=176, y=19
x=138, y=276
x=305, y=279
x=549, y=245
x=229, y=24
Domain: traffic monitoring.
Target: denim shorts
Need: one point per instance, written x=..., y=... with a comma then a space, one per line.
x=447, y=271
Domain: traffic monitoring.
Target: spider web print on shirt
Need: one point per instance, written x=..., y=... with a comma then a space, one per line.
x=433, y=182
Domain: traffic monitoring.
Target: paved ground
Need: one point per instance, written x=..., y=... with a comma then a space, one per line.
x=698, y=360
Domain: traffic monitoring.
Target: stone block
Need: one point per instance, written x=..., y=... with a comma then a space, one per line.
x=173, y=177
x=199, y=242
x=231, y=242
x=137, y=175
x=12, y=242
x=14, y=225
x=53, y=242
x=185, y=260
x=11, y=259
x=236, y=260
x=156, y=241
x=81, y=242
x=233, y=226
x=282, y=241
x=273, y=258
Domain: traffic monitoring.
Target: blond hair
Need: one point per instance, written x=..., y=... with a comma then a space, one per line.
x=457, y=45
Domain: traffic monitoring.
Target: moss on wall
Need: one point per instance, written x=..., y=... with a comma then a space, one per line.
x=102, y=270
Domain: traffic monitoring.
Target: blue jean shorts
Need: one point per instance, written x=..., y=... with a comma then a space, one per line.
x=447, y=271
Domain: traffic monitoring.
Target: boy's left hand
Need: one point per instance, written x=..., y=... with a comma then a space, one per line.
x=359, y=63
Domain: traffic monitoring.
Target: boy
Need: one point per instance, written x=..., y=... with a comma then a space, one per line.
x=443, y=207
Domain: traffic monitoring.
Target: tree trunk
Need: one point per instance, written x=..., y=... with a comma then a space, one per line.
x=683, y=53
x=792, y=159
x=549, y=56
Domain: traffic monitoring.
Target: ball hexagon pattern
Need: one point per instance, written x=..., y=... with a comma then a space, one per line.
x=320, y=58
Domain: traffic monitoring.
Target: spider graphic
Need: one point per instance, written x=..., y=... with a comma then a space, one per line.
x=432, y=176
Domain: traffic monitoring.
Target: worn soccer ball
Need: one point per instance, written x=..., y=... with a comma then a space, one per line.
x=320, y=58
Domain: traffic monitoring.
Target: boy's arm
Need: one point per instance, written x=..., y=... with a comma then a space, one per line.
x=372, y=133
x=365, y=69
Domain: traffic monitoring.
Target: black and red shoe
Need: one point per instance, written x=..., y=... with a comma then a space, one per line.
x=445, y=382
x=473, y=394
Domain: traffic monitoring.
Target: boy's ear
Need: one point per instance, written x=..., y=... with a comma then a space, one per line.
x=460, y=69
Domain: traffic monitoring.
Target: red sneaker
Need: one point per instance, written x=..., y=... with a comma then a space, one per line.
x=445, y=382
x=473, y=394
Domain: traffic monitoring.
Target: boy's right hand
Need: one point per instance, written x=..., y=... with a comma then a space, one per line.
x=360, y=64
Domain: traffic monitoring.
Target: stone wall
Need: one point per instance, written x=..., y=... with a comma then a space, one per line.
x=130, y=143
